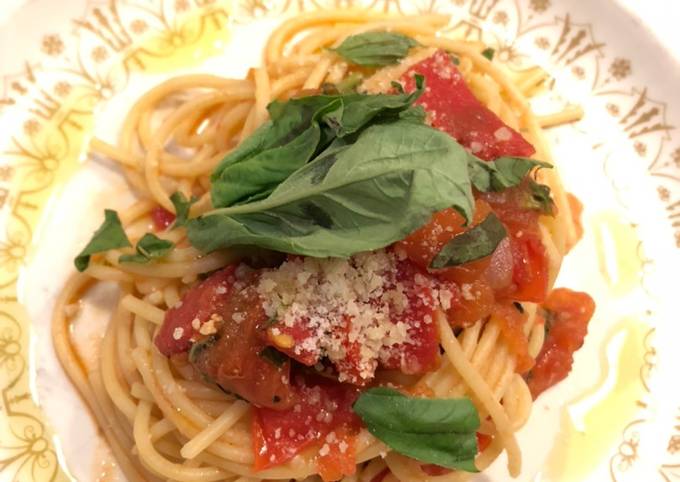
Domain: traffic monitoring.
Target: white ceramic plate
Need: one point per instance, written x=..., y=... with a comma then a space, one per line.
x=71, y=69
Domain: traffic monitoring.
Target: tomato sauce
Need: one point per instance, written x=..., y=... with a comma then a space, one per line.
x=453, y=108
x=567, y=314
x=323, y=407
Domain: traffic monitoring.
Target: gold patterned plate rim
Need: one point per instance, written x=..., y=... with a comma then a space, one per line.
x=619, y=419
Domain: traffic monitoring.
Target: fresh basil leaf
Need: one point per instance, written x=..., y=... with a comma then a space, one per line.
x=375, y=49
x=299, y=129
x=271, y=153
x=273, y=356
x=148, y=248
x=502, y=173
x=359, y=110
x=539, y=198
x=355, y=197
x=415, y=114
x=489, y=53
x=110, y=235
x=475, y=243
x=436, y=431
x=182, y=206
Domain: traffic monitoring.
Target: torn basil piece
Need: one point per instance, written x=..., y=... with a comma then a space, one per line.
x=148, y=248
x=110, y=235
x=476, y=243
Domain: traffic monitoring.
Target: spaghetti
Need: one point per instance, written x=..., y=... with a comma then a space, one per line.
x=162, y=421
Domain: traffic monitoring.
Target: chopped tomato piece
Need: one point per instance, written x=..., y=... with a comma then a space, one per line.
x=350, y=367
x=472, y=297
x=512, y=329
x=453, y=108
x=421, y=353
x=529, y=258
x=199, y=302
x=290, y=340
x=473, y=302
x=337, y=457
x=567, y=314
x=483, y=441
x=422, y=245
x=322, y=407
x=529, y=268
x=234, y=358
x=417, y=355
x=162, y=218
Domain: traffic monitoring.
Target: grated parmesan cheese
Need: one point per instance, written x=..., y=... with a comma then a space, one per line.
x=351, y=299
x=466, y=291
x=503, y=134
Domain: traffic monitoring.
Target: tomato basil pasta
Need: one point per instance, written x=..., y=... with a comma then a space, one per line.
x=340, y=267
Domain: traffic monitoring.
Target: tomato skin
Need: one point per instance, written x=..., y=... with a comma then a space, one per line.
x=306, y=423
x=483, y=441
x=422, y=245
x=529, y=258
x=340, y=461
x=421, y=353
x=475, y=305
x=294, y=335
x=473, y=298
x=234, y=360
x=568, y=313
x=453, y=108
x=512, y=329
x=349, y=368
x=418, y=355
x=529, y=269
x=200, y=301
x=161, y=218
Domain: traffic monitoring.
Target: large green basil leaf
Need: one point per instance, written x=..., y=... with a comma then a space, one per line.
x=436, y=431
x=351, y=198
x=298, y=130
